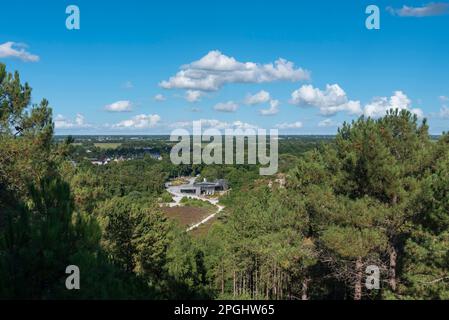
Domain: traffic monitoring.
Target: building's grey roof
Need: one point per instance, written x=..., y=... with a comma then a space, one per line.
x=205, y=184
x=221, y=182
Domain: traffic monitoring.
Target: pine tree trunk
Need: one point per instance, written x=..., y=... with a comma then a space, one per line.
x=266, y=291
x=392, y=268
x=256, y=294
x=393, y=258
x=222, y=279
x=281, y=285
x=268, y=285
x=394, y=200
x=358, y=279
x=305, y=288
x=275, y=282
x=234, y=285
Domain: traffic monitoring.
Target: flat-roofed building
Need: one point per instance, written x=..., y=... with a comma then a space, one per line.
x=204, y=188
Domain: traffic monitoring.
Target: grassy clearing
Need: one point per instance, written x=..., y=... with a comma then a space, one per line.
x=190, y=202
x=107, y=145
x=179, y=181
x=186, y=216
x=203, y=229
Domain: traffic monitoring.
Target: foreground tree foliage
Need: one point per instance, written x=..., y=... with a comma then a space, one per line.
x=264, y=251
x=376, y=195
x=426, y=261
x=105, y=227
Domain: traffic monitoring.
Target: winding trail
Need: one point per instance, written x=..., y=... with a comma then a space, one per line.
x=177, y=197
x=220, y=208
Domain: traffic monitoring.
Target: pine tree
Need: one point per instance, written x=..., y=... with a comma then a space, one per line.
x=426, y=262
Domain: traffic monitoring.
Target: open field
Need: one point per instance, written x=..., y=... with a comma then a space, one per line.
x=107, y=145
x=186, y=216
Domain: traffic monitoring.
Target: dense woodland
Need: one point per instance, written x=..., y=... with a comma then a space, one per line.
x=376, y=194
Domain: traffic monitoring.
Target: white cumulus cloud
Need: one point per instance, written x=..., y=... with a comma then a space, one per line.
x=79, y=122
x=229, y=106
x=329, y=101
x=159, y=97
x=274, y=109
x=215, y=69
x=216, y=124
x=258, y=98
x=444, y=112
x=334, y=99
x=399, y=100
x=17, y=50
x=119, y=106
x=327, y=123
x=286, y=125
x=193, y=95
x=141, y=121
x=242, y=125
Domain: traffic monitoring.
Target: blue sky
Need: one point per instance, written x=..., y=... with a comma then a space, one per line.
x=129, y=68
